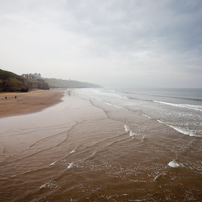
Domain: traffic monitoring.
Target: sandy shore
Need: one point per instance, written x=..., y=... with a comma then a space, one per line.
x=30, y=102
x=84, y=149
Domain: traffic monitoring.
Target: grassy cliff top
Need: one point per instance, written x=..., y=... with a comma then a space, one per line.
x=10, y=82
x=6, y=75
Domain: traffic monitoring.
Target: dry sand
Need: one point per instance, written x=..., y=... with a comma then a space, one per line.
x=30, y=102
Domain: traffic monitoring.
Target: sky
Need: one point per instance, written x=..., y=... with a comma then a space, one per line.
x=112, y=43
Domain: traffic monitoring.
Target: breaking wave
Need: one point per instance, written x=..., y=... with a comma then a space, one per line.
x=184, y=131
x=187, y=106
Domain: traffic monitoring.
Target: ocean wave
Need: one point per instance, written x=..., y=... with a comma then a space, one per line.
x=109, y=93
x=184, y=131
x=164, y=96
x=134, y=135
x=113, y=105
x=187, y=106
x=162, y=122
x=134, y=98
x=127, y=129
x=146, y=116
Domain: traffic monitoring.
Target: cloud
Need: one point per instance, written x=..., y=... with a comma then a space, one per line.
x=118, y=40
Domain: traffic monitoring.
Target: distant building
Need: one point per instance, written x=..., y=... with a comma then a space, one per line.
x=37, y=76
x=28, y=76
x=34, y=76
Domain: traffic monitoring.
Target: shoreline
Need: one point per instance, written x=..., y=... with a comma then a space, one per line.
x=114, y=153
x=29, y=102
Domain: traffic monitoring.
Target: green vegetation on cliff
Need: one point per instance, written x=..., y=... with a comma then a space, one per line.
x=59, y=83
x=10, y=82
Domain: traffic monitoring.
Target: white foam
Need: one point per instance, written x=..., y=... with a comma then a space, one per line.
x=72, y=151
x=174, y=164
x=108, y=93
x=159, y=175
x=52, y=164
x=113, y=94
x=156, y=177
x=113, y=105
x=70, y=165
x=132, y=134
x=43, y=186
x=184, y=131
x=13, y=175
x=127, y=129
x=162, y=122
x=187, y=106
x=146, y=116
x=49, y=185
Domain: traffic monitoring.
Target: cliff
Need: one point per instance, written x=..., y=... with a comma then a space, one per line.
x=34, y=84
x=10, y=82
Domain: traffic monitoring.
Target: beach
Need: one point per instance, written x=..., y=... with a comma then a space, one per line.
x=29, y=102
x=89, y=147
x=39, y=151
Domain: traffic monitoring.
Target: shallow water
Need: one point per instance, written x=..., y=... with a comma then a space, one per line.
x=98, y=146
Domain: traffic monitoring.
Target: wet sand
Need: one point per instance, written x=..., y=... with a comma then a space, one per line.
x=83, y=150
x=29, y=102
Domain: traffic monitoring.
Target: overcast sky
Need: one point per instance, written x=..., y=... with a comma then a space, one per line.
x=113, y=43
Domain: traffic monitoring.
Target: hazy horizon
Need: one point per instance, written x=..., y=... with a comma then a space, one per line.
x=134, y=43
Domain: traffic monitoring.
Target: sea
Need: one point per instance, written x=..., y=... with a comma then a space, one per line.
x=104, y=144
x=180, y=109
